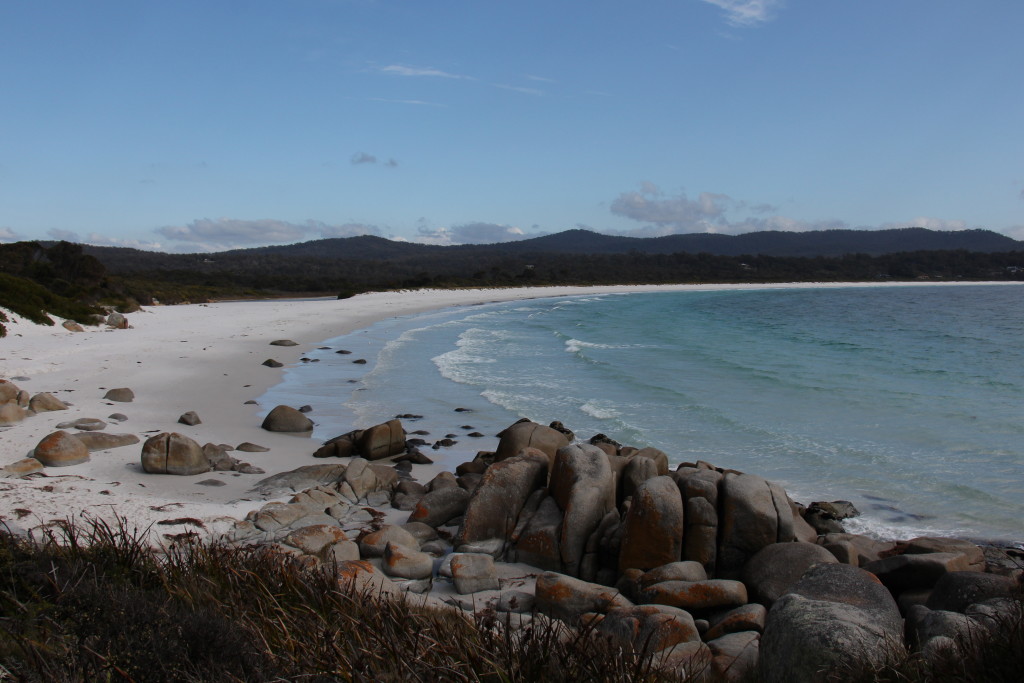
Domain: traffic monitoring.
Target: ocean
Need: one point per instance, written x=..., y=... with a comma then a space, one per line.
x=907, y=401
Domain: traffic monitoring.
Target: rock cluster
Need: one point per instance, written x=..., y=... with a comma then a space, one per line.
x=716, y=570
x=17, y=404
x=173, y=453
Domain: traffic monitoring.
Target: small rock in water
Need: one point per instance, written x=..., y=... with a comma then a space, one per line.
x=360, y=361
x=306, y=409
x=343, y=352
x=463, y=410
x=250, y=402
x=283, y=342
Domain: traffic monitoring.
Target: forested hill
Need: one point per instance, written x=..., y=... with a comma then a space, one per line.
x=583, y=242
x=60, y=276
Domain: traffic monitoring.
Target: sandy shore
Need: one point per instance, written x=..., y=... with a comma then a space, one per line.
x=205, y=358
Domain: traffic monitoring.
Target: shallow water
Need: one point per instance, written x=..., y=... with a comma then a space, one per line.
x=907, y=401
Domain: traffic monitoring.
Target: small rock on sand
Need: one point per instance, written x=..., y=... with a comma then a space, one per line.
x=121, y=395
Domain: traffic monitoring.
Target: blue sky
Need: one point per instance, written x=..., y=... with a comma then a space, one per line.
x=205, y=125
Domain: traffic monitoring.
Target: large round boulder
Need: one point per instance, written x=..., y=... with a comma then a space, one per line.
x=835, y=618
x=173, y=453
x=494, y=508
x=529, y=435
x=61, y=449
x=774, y=568
x=286, y=419
x=582, y=486
x=653, y=530
x=382, y=441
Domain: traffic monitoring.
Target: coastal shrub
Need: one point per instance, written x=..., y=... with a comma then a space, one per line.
x=33, y=302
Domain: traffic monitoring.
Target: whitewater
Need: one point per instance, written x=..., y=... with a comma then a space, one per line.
x=907, y=401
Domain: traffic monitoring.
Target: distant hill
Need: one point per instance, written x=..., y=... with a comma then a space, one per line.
x=584, y=242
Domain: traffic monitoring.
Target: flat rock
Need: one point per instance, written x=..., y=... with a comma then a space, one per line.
x=247, y=447
x=696, y=596
x=567, y=598
x=300, y=479
x=101, y=441
x=21, y=468
x=85, y=424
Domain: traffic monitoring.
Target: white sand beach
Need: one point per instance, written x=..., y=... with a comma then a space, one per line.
x=205, y=358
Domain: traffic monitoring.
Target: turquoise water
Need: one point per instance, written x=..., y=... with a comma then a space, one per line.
x=908, y=401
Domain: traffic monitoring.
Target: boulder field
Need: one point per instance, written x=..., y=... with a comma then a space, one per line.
x=717, y=571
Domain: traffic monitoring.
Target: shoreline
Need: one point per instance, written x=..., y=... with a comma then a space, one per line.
x=205, y=358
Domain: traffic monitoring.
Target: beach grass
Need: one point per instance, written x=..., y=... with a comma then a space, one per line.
x=94, y=602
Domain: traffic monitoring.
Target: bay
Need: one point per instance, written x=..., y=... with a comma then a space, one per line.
x=908, y=401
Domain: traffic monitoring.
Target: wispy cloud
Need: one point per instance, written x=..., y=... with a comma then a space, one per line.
x=364, y=158
x=516, y=88
x=8, y=235
x=747, y=12
x=422, y=71
x=422, y=103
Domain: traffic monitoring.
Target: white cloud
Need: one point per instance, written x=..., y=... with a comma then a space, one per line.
x=428, y=71
x=471, y=233
x=104, y=241
x=667, y=215
x=1015, y=231
x=345, y=229
x=747, y=12
x=672, y=214
x=8, y=235
x=226, y=233
x=929, y=223
x=65, y=235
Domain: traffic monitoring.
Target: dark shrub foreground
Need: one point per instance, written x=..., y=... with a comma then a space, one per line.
x=94, y=603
